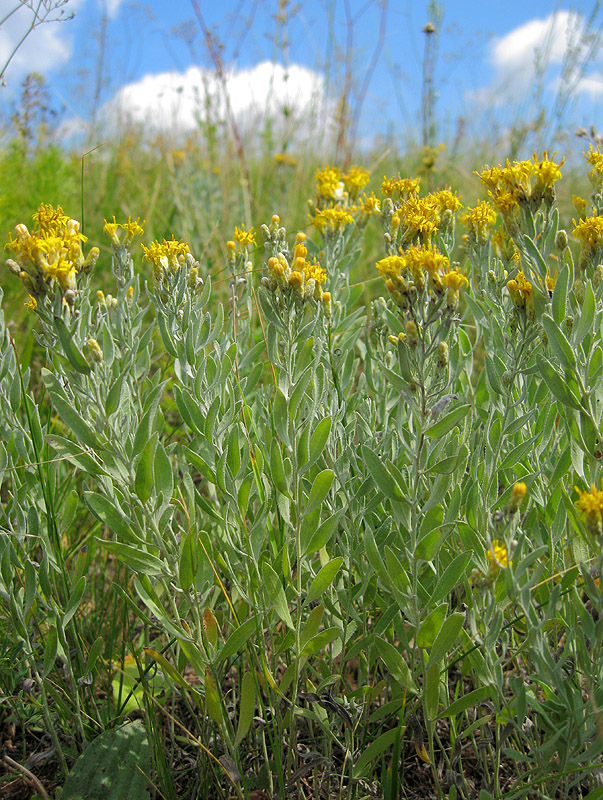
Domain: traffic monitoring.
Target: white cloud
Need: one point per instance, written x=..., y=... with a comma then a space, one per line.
x=177, y=102
x=591, y=85
x=48, y=46
x=111, y=6
x=538, y=49
x=539, y=41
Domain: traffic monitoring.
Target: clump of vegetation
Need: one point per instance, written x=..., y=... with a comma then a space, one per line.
x=319, y=540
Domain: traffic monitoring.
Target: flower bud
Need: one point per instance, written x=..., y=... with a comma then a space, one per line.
x=561, y=240
x=94, y=351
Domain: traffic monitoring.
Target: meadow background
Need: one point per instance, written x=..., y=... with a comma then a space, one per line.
x=199, y=124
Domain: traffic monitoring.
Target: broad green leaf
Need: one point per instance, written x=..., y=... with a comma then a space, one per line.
x=447, y=422
x=75, y=357
x=427, y=547
x=587, y=314
x=105, y=511
x=560, y=295
x=430, y=627
x=319, y=438
x=375, y=749
x=117, y=764
x=74, y=454
x=467, y=701
x=324, y=579
x=94, y=654
x=532, y=248
x=312, y=625
x=246, y=707
x=114, y=395
x=557, y=384
x=380, y=474
x=200, y=464
x=320, y=489
x=432, y=691
x=277, y=469
x=320, y=641
x=559, y=344
x=187, y=566
x=163, y=473
x=451, y=577
x=515, y=455
x=276, y=593
x=76, y=425
x=212, y=698
x=143, y=480
x=234, y=451
x=396, y=665
x=280, y=417
x=446, y=638
x=135, y=558
x=321, y=535
x=75, y=598
x=238, y=638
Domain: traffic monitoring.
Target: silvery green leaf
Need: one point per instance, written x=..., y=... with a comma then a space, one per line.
x=75, y=357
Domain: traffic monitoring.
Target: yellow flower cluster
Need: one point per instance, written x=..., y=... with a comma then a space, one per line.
x=595, y=159
x=331, y=219
x=285, y=159
x=244, y=238
x=303, y=278
x=338, y=204
x=50, y=255
x=591, y=505
x=418, y=218
x=520, y=183
x=497, y=556
x=479, y=222
x=400, y=188
x=589, y=233
x=168, y=258
x=408, y=273
x=522, y=295
x=132, y=229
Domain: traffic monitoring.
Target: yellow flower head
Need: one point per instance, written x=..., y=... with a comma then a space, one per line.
x=329, y=183
x=49, y=219
x=546, y=172
x=454, y=280
x=51, y=252
x=580, y=205
x=331, y=219
x=517, y=495
x=420, y=217
x=479, y=221
x=369, y=205
x=447, y=200
x=591, y=505
x=285, y=158
x=167, y=257
x=400, y=188
x=355, y=180
x=131, y=227
x=589, y=232
x=244, y=238
x=498, y=556
x=595, y=159
x=314, y=272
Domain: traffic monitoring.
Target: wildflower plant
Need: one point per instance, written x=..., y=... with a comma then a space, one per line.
x=335, y=529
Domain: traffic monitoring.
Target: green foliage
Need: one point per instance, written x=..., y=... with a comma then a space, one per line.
x=304, y=517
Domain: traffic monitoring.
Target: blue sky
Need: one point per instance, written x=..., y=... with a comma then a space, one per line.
x=150, y=62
